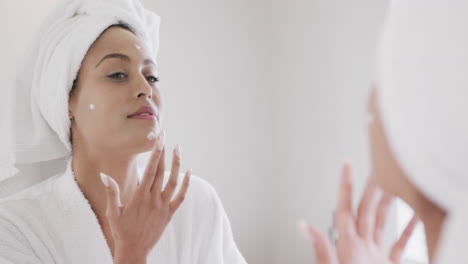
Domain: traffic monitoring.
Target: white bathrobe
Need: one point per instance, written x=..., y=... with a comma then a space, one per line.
x=52, y=222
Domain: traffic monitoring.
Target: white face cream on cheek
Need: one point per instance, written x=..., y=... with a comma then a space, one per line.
x=91, y=106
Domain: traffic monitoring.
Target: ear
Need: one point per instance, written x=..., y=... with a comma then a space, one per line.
x=72, y=97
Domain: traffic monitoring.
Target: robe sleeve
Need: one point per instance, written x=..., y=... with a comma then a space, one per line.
x=14, y=247
x=219, y=247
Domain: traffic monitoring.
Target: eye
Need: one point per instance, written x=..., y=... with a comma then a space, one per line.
x=118, y=76
x=152, y=79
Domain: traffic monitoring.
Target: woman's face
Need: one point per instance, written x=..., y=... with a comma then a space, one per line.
x=117, y=78
x=385, y=168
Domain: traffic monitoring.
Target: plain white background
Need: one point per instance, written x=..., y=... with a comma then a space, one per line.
x=266, y=98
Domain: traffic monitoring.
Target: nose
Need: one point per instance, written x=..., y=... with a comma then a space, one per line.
x=144, y=89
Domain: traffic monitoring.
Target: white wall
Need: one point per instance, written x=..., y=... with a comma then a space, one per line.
x=266, y=98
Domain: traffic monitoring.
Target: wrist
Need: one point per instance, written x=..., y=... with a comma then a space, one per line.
x=124, y=256
x=129, y=260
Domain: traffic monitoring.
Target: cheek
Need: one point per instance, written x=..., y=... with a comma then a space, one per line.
x=158, y=100
x=100, y=116
x=385, y=169
x=379, y=158
x=373, y=151
x=159, y=103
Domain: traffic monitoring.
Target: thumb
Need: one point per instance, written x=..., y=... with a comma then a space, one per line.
x=113, y=195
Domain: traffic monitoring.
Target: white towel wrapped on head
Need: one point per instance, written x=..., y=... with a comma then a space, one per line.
x=45, y=76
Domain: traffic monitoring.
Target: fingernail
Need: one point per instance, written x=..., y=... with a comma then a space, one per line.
x=347, y=169
x=177, y=151
x=104, y=179
x=161, y=141
x=303, y=227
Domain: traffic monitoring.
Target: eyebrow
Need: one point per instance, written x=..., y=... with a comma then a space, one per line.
x=124, y=58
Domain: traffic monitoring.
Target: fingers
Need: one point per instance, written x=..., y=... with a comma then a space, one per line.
x=366, y=216
x=382, y=212
x=172, y=182
x=153, y=163
x=113, y=195
x=174, y=205
x=159, y=178
x=344, y=212
x=323, y=248
x=400, y=245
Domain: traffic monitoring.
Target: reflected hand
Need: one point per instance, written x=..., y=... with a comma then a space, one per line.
x=360, y=238
x=138, y=225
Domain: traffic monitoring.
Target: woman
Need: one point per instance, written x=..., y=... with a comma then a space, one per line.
x=419, y=138
x=94, y=100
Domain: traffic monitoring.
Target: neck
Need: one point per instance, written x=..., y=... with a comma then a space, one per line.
x=433, y=218
x=87, y=168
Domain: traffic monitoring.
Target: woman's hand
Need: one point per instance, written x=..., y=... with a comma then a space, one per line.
x=359, y=240
x=138, y=225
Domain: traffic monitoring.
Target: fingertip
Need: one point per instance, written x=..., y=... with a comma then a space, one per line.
x=177, y=151
x=347, y=167
x=347, y=163
x=113, y=183
x=303, y=228
x=188, y=175
x=302, y=224
x=104, y=179
x=161, y=140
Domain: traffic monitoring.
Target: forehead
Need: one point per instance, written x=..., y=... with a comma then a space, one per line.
x=117, y=40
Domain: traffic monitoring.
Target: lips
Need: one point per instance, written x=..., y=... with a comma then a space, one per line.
x=145, y=111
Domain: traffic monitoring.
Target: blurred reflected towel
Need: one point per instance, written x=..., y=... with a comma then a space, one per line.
x=423, y=101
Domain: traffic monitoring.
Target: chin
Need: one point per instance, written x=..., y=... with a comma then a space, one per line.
x=140, y=146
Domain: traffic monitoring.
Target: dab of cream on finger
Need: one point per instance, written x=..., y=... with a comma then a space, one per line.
x=151, y=135
x=91, y=106
x=137, y=47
